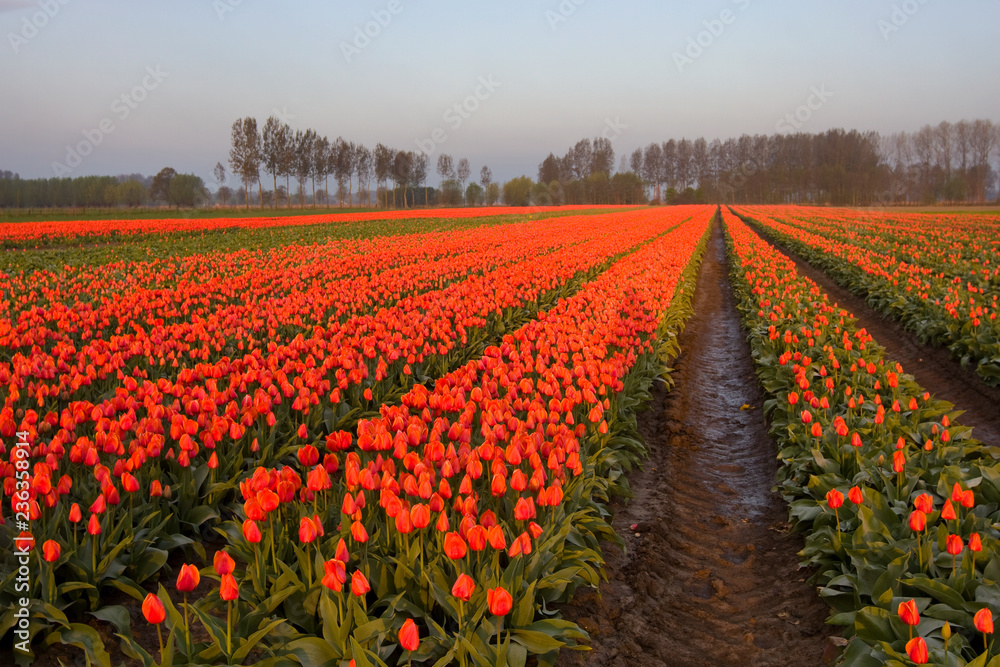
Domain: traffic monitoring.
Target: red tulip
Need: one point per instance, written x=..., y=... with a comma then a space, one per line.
x=358, y=532
x=229, y=590
x=51, y=551
x=918, y=521
x=984, y=621
x=924, y=503
x=834, y=498
x=908, y=612
x=74, y=513
x=464, y=587
x=251, y=532
x=968, y=499
x=499, y=601
x=155, y=489
x=916, y=648
x=420, y=516
x=334, y=575
x=268, y=500
x=496, y=538
x=302, y=431
x=954, y=545
x=855, y=495
x=223, y=563
x=213, y=462
x=975, y=542
x=948, y=513
x=454, y=546
x=308, y=455
x=129, y=483
x=153, y=610
x=307, y=530
x=94, y=525
x=359, y=583
x=409, y=636
x=188, y=578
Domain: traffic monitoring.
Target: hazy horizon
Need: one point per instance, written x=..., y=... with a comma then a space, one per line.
x=155, y=86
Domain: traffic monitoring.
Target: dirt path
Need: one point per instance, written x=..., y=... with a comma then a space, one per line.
x=710, y=576
x=933, y=367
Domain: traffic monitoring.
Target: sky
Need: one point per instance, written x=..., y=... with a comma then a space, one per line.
x=115, y=86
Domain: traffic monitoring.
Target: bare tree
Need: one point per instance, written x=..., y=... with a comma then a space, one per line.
x=364, y=171
x=384, y=157
x=321, y=165
x=445, y=167
x=402, y=168
x=464, y=171
x=273, y=151
x=420, y=165
x=244, y=155
x=303, y=161
x=485, y=177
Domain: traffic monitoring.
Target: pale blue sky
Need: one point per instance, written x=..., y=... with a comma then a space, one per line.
x=566, y=70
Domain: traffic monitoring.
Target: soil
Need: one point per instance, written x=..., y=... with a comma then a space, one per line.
x=932, y=367
x=710, y=575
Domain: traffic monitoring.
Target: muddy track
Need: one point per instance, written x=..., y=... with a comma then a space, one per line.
x=932, y=367
x=710, y=575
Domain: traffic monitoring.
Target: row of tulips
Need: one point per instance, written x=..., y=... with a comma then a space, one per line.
x=67, y=330
x=22, y=232
x=940, y=279
x=151, y=501
x=898, y=503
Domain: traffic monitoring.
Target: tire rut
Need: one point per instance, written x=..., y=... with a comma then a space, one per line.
x=710, y=575
x=932, y=367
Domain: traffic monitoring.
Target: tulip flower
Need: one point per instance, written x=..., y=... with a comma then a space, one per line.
x=948, y=512
x=925, y=503
x=187, y=580
x=916, y=648
x=499, y=601
x=855, y=495
x=51, y=551
x=251, y=532
x=75, y=515
x=835, y=500
x=908, y=614
x=155, y=613
x=464, y=587
x=954, y=546
x=409, y=636
x=334, y=575
x=359, y=583
x=454, y=546
x=983, y=621
x=223, y=563
x=229, y=590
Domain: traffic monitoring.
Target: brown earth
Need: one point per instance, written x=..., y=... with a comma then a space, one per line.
x=932, y=367
x=710, y=575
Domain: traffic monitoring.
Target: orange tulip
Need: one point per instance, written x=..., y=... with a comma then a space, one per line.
x=51, y=551
x=916, y=648
x=499, y=601
x=229, y=589
x=223, y=563
x=409, y=636
x=464, y=587
x=153, y=610
x=855, y=495
x=359, y=583
x=454, y=546
x=251, y=532
x=983, y=621
x=834, y=499
x=908, y=612
x=188, y=578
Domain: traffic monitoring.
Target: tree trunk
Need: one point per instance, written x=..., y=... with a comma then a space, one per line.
x=260, y=192
x=275, y=202
x=246, y=193
x=314, y=192
x=288, y=191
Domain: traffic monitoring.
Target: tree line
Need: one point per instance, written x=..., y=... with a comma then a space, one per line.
x=944, y=163
x=127, y=190
x=311, y=159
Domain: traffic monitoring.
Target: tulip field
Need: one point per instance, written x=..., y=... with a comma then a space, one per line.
x=276, y=442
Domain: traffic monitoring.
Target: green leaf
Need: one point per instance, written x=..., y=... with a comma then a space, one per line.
x=314, y=652
x=117, y=616
x=83, y=637
x=536, y=642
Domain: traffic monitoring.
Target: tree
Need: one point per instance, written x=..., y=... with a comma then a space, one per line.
x=652, y=168
x=303, y=161
x=548, y=170
x=245, y=154
x=186, y=190
x=286, y=159
x=131, y=193
x=402, y=171
x=273, y=151
x=485, y=177
x=321, y=165
x=224, y=194
x=602, y=157
x=159, y=191
x=445, y=166
x=220, y=174
x=517, y=191
x=492, y=194
x=420, y=165
x=473, y=194
x=464, y=171
x=363, y=166
x=384, y=157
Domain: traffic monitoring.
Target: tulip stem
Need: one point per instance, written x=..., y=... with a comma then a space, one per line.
x=229, y=629
x=187, y=628
x=159, y=634
x=920, y=553
x=836, y=513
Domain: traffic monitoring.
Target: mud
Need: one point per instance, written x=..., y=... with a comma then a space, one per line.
x=933, y=367
x=710, y=575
